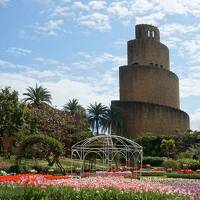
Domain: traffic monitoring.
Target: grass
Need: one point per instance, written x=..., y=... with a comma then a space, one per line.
x=67, y=163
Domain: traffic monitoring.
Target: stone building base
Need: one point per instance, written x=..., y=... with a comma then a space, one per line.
x=141, y=118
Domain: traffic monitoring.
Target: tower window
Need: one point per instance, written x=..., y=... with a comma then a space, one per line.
x=149, y=34
x=153, y=34
x=156, y=65
x=161, y=66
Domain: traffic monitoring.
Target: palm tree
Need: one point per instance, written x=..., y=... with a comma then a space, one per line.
x=37, y=95
x=73, y=106
x=78, y=114
x=96, y=114
x=113, y=120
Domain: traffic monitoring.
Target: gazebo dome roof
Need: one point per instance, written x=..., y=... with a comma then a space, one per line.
x=107, y=141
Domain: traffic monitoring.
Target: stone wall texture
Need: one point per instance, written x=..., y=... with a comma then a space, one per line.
x=148, y=52
x=149, y=84
x=141, y=118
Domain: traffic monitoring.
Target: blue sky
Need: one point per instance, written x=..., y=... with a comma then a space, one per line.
x=74, y=48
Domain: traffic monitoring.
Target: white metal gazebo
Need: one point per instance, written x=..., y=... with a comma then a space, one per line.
x=107, y=147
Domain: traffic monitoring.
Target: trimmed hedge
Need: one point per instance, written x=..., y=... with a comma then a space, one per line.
x=169, y=163
x=181, y=175
x=153, y=173
x=153, y=161
x=63, y=193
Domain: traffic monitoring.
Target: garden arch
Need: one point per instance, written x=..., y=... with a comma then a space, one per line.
x=108, y=147
x=54, y=147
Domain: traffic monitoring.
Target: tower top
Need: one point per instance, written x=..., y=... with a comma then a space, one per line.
x=147, y=49
x=146, y=31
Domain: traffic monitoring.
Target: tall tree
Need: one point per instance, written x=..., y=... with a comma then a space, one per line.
x=112, y=122
x=78, y=114
x=73, y=107
x=96, y=114
x=37, y=95
x=14, y=115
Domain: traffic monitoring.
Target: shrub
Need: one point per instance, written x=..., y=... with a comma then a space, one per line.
x=153, y=161
x=2, y=173
x=169, y=163
x=15, y=169
x=152, y=173
x=186, y=154
x=189, y=164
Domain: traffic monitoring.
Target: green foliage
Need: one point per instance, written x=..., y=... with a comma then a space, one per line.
x=64, y=193
x=73, y=107
x=168, y=147
x=151, y=145
x=153, y=161
x=48, y=146
x=194, y=151
x=169, y=163
x=15, y=169
x=186, y=154
x=181, y=175
x=37, y=95
x=187, y=142
x=188, y=164
x=79, y=116
x=96, y=115
x=153, y=173
x=14, y=115
x=112, y=121
x=14, y=119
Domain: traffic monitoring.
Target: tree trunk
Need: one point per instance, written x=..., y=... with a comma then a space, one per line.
x=97, y=126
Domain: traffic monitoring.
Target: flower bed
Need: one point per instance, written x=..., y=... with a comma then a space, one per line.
x=186, y=171
x=32, y=179
x=103, y=183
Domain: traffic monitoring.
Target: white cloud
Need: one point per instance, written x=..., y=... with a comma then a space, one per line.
x=94, y=61
x=95, y=21
x=119, y=9
x=51, y=27
x=150, y=19
x=7, y=64
x=172, y=29
x=171, y=7
x=124, y=11
x=55, y=63
x=60, y=11
x=63, y=84
x=61, y=89
x=189, y=87
x=19, y=51
x=4, y=2
x=80, y=5
x=192, y=8
x=141, y=8
x=97, y=5
x=195, y=119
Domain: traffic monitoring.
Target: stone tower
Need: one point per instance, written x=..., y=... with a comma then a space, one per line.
x=149, y=91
